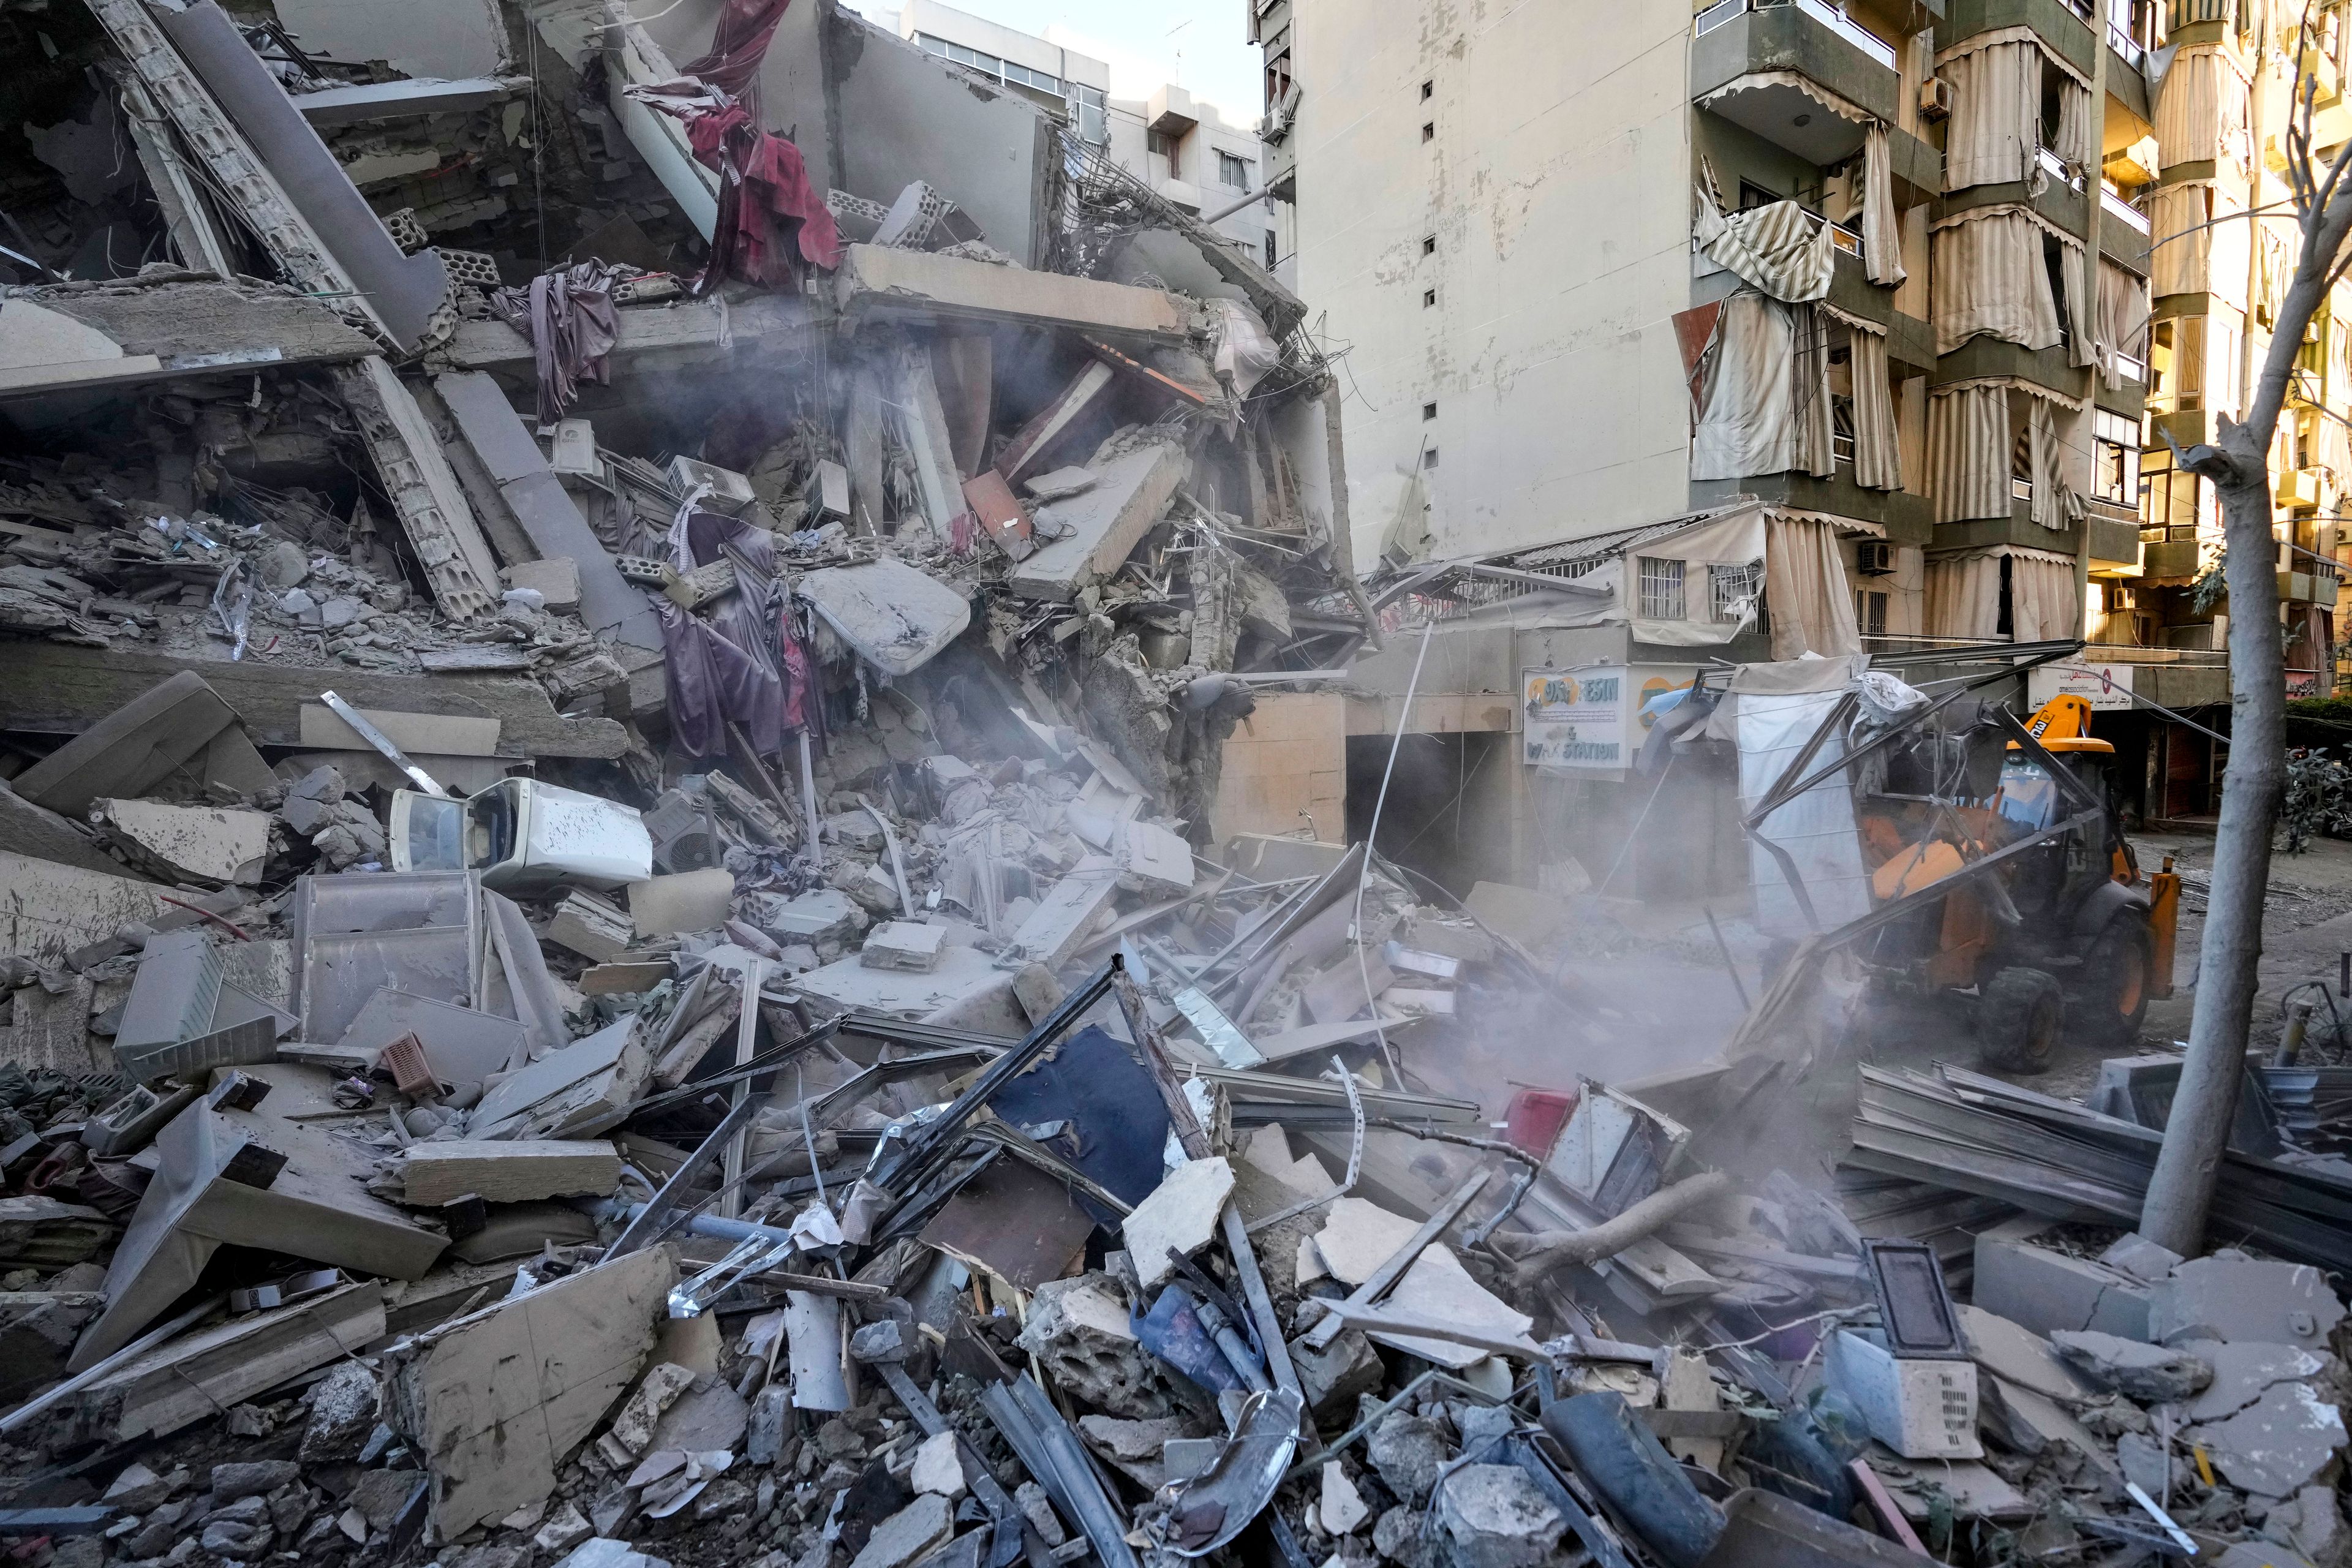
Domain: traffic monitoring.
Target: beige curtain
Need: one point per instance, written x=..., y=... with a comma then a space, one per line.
x=1747, y=421
x=1882, y=231
x=2123, y=320
x=2078, y=129
x=2201, y=108
x=2181, y=245
x=1996, y=114
x=1968, y=452
x=1780, y=248
x=1809, y=386
x=2277, y=271
x=1877, y=451
x=2041, y=604
x=1805, y=584
x=2055, y=504
x=2081, y=333
x=1963, y=597
x=1988, y=276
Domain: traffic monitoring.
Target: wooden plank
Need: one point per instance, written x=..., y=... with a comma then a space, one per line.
x=507, y=1172
x=56, y=690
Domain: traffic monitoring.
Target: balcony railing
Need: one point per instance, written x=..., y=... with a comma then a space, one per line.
x=1829, y=16
x=2056, y=167
x=2130, y=217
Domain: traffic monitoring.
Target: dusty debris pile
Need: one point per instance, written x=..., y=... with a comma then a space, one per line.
x=616, y=956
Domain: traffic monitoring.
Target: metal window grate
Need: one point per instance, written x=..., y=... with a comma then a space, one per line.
x=1662, y=589
x=1731, y=592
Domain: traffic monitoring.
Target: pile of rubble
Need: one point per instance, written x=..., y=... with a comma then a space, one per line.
x=614, y=955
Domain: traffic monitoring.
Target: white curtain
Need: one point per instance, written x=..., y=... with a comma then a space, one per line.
x=1963, y=597
x=1882, y=233
x=1996, y=114
x=1877, y=450
x=2180, y=246
x=1968, y=452
x=1805, y=584
x=1780, y=248
x=2055, y=504
x=1809, y=386
x=1989, y=278
x=2042, y=603
x=1747, y=421
x=2123, y=320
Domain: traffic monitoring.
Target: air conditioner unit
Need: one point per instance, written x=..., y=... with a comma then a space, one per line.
x=1935, y=99
x=1874, y=558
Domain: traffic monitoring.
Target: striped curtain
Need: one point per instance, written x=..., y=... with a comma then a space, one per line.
x=1806, y=584
x=2122, y=331
x=1809, y=386
x=2183, y=246
x=2041, y=603
x=1968, y=452
x=1878, y=452
x=1996, y=114
x=1988, y=276
x=2078, y=131
x=2081, y=334
x=2201, y=109
x=1882, y=235
x=1963, y=597
x=2055, y=504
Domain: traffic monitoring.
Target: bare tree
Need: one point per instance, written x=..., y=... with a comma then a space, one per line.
x=2197, y=1133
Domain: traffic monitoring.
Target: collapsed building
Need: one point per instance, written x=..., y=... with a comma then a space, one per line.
x=621, y=637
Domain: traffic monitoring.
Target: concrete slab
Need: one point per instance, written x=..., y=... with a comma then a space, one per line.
x=895, y=617
x=2232, y=1298
x=2043, y=1291
x=2277, y=1444
x=965, y=976
x=201, y=844
x=1438, y=1289
x=1100, y=528
x=2243, y=1372
x=2018, y=1356
x=171, y=726
x=879, y=280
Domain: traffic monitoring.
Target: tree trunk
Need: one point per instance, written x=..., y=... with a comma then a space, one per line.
x=2197, y=1134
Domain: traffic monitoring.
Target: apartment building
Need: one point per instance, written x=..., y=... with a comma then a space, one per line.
x=1586, y=269
x=2228, y=98
x=1187, y=149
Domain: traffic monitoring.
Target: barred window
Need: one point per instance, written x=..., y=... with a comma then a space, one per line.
x=1731, y=592
x=1662, y=588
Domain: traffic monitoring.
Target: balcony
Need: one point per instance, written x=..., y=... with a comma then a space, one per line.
x=2065, y=25
x=2115, y=542
x=1907, y=517
x=2300, y=487
x=1735, y=39
x=2174, y=559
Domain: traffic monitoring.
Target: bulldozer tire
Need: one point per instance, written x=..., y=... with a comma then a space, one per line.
x=2019, y=1016
x=2116, y=972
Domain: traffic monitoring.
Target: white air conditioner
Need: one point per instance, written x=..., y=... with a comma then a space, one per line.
x=1935, y=99
x=1874, y=558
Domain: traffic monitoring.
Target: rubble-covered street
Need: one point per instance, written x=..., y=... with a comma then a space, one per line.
x=617, y=956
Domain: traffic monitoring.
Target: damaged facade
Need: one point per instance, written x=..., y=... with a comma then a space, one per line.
x=661, y=682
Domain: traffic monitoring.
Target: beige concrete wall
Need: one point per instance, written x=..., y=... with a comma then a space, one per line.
x=1288, y=757
x=1556, y=183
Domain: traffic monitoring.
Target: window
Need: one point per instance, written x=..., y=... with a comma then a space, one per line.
x=1429, y=457
x=1429, y=245
x=1428, y=90
x=1731, y=592
x=1094, y=121
x=1429, y=411
x=2114, y=458
x=1662, y=588
x=1232, y=172
x=1429, y=131
x=1428, y=297
x=1870, y=613
x=1269, y=250
x=1159, y=141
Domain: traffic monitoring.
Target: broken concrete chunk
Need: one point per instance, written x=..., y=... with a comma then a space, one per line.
x=1357, y=1237
x=133, y=750
x=938, y=1467
x=895, y=617
x=2141, y=1258
x=1332, y=1377
x=344, y=1409
x=1079, y=1330
x=687, y=901
x=2242, y=1371
x=1061, y=484
x=564, y=1529
x=187, y=843
x=2152, y=1375
x=1180, y=1214
x=1409, y=1452
x=2043, y=1291
x=905, y=1535
x=903, y=944
x=1340, y=1507
x=602, y=1552
x=633, y=1429
x=2276, y=1446
x=1493, y=1516
x=507, y=1171
x=2232, y=1298
x=1086, y=537
x=556, y=579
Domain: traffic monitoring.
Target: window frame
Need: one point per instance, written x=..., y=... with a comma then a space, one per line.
x=1661, y=580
